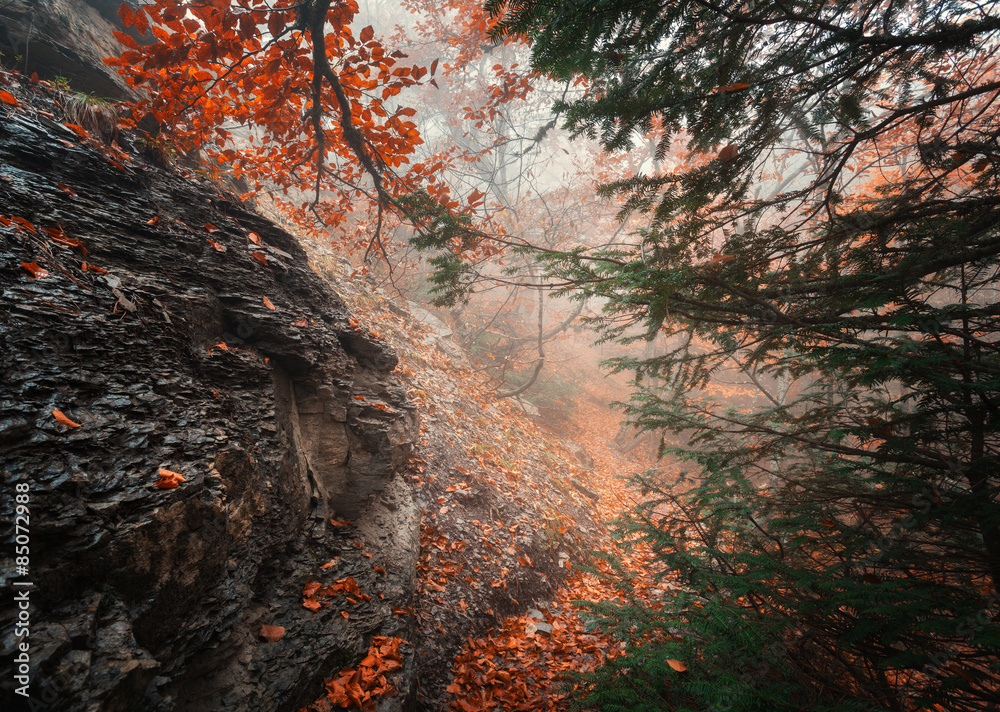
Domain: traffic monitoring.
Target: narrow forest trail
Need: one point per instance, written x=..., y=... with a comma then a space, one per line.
x=526, y=663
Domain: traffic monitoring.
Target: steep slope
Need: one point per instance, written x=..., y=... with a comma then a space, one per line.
x=510, y=515
x=150, y=321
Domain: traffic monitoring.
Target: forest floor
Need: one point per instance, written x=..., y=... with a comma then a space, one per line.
x=514, y=523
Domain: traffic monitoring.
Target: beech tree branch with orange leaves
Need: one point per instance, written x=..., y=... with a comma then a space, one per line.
x=285, y=96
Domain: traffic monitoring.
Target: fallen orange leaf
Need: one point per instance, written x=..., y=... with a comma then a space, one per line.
x=268, y=304
x=271, y=633
x=311, y=603
x=63, y=420
x=99, y=270
x=7, y=98
x=259, y=256
x=34, y=270
x=24, y=224
x=219, y=247
x=254, y=238
x=677, y=665
x=169, y=479
x=78, y=130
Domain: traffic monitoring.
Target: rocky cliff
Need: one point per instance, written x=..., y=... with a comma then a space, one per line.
x=151, y=321
x=64, y=38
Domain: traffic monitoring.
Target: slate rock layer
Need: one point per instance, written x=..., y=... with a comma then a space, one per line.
x=167, y=355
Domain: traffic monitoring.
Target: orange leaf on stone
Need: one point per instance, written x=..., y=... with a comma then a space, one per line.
x=7, y=98
x=24, y=224
x=63, y=420
x=169, y=479
x=78, y=130
x=254, y=238
x=311, y=588
x=92, y=268
x=34, y=270
x=311, y=603
x=271, y=633
x=259, y=256
x=218, y=246
x=268, y=304
x=60, y=237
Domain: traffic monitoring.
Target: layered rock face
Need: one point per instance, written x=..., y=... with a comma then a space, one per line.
x=64, y=38
x=197, y=340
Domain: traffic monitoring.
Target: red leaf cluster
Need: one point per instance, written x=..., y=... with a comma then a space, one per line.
x=314, y=590
x=362, y=686
x=169, y=479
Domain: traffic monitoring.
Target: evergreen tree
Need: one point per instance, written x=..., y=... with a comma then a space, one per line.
x=831, y=231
